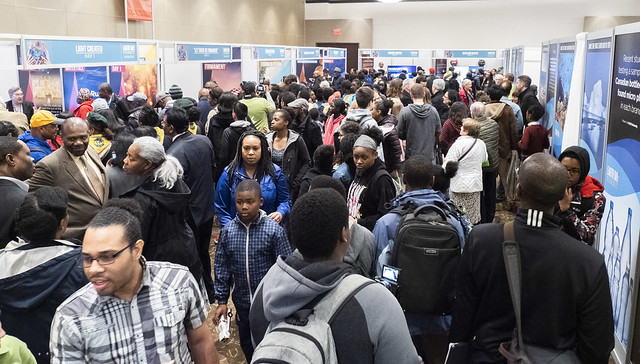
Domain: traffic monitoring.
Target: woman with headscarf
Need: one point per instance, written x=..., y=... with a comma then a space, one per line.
x=163, y=196
x=372, y=186
x=85, y=101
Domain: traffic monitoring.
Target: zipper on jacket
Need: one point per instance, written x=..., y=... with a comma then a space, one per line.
x=246, y=262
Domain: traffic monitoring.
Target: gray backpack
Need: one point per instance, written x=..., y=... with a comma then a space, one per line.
x=305, y=336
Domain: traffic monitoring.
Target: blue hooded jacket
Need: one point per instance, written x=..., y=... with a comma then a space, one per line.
x=39, y=148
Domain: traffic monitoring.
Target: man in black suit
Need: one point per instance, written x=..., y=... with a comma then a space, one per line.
x=16, y=166
x=18, y=103
x=116, y=103
x=196, y=155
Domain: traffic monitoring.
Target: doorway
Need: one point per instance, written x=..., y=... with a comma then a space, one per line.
x=352, y=52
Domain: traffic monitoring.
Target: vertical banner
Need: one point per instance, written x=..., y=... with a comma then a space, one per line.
x=619, y=230
x=550, y=102
x=441, y=66
x=274, y=70
x=227, y=75
x=129, y=79
x=43, y=87
x=306, y=68
x=331, y=64
x=367, y=63
x=594, y=104
x=566, y=55
x=544, y=74
x=75, y=78
x=140, y=10
x=395, y=71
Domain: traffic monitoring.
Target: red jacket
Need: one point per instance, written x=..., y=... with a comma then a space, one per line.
x=84, y=108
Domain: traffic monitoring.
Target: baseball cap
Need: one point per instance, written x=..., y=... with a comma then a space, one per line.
x=183, y=103
x=138, y=96
x=44, y=117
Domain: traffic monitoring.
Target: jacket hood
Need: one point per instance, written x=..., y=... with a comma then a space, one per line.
x=581, y=155
x=292, y=283
x=173, y=200
x=377, y=165
x=419, y=198
x=240, y=124
x=361, y=116
x=389, y=120
x=26, y=136
x=494, y=110
x=293, y=137
x=590, y=186
x=421, y=111
x=222, y=119
x=28, y=289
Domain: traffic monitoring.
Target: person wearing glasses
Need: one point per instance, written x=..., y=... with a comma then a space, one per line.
x=133, y=310
x=38, y=270
x=164, y=198
x=582, y=207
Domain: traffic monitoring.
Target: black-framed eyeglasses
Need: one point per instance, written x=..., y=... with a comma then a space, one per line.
x=573, y=171
x=87, y=260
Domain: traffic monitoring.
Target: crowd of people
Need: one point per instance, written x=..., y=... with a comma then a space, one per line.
x=108, y=213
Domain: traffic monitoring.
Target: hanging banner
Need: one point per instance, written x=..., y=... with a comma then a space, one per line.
x=619, y=231
x=54, y=51
x=75, y=78
x=268, y=52
x=331, y=64
x=594, y=104
x=566, y=55
x=395, y=71
x=544, y=74
x=441, y=66
x=308, y=68
x=227, y=75
x=309, y=53
x=395, y=53
x=43, y=87
x=141, y=10
x=275, y=71
x=367, y=63
x=470, y=54
x=550, y=102
x=203, y=52
x=336, y=53
x=129, y=79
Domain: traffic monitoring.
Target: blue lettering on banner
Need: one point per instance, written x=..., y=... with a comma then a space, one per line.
x=336, y=53
x=396, y=53
x=268, y=52
x=58, y=51
x=309, y=53
x=469, y=54
x=203, y=52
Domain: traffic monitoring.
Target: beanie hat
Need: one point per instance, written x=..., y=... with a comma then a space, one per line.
x=175, y=91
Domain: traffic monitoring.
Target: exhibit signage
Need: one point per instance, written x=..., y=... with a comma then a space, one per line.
x=470, y=54
x=55, y=51
x=566, y=55
x=268, y=52
x=203, y=52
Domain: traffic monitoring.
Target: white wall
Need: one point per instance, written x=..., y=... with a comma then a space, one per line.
x=488, y=24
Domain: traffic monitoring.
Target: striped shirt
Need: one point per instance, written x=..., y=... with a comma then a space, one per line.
x=88, y=328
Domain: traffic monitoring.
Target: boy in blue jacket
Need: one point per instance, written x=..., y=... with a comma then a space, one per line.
x=248, y=246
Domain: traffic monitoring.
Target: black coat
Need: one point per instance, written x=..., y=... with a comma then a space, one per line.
x=120, y=107
x=27, y=108
x=197, y=158
x=305, y=184
x=310, y=132
x=373, y=199
x=166, y=235
x=438, y=103
x=10, y=198
x=295, y=161
x=229, y=142
x=526, y=99
x=217, y=124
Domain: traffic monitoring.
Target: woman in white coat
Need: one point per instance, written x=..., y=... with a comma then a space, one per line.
x=470, y=153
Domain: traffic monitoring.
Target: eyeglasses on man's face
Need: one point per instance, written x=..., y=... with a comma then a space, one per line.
x=107, y=259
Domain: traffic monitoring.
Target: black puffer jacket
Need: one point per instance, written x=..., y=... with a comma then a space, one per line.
x=372, y=190
x=217, y=124
x=391, y=142
x=295, y=162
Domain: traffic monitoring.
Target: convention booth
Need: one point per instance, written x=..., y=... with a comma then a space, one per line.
x=50, y=70
x=590, y=86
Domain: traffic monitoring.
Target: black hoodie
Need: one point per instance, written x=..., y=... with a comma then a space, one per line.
x=369, y=194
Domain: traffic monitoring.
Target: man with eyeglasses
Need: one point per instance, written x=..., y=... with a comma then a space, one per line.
x=133, y=311
x=583, y=204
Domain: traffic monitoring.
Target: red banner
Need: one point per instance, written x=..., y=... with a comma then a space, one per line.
x=140, y=10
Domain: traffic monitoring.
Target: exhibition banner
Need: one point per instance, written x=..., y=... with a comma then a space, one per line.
x=305, y=69
x=268, y=52
x=309, y=53
x=129, y=79
x=550, y=102
x=203, y=52
x=470, y=54
x=227, y=75
x=43, y=87
x=275, y=71
x=566, y=55
x=619, y=228
x=594, y=104
x=544, y=73
x=395, y=71
x=141, y=10
x=75, y=78
x=441, y=66
x=396, y=53
x=55, y=51
x=367, y=63
x=331, y=64
x=336, y=53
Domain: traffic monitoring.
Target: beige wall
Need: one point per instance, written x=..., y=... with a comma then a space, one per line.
x=230, y=21
x=595, y=23
x=352, y=31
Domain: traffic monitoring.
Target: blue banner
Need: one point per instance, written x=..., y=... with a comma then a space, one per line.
x=268, y=52
x=594, y=105
x=203, y=52
x=75, y=78
x=566, y=55
x=53, y=51
x=336, y=53
x=393, y=53
x=309, y=53
x=395, y=71
x=470, y=54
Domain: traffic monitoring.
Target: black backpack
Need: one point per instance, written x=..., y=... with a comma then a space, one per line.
x=427, y=248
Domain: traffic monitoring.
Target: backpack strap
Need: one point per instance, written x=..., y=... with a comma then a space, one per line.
x=511, y=255
x=334, y=301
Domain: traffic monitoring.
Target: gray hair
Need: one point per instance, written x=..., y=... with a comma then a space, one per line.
x=439, y=84
x=466, y=81
x=477, y=110
x=13, y=89
x=167, y=169
x=325, y=83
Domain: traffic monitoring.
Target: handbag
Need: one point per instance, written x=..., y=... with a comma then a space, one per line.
x=515, y=351
x=468, y=150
